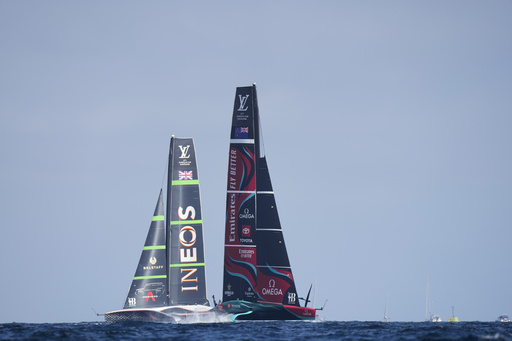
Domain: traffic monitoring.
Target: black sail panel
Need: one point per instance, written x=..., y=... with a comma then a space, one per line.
x=240, y=268
x=149, y=285
x=187, y=279
x=275, y=279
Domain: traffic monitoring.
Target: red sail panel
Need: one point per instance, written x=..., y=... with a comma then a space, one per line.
x=240, y=268
x=241, y=168
x=240, y=273
x=276, y=286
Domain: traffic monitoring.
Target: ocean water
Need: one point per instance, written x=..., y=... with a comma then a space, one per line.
x=259, y=330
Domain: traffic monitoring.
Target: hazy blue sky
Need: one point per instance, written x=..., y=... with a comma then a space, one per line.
x=387, y=128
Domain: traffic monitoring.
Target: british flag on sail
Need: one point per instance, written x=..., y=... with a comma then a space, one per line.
x=241, y=132
x=185, y=175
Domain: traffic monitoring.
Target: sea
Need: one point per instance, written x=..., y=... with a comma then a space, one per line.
x=259, y=330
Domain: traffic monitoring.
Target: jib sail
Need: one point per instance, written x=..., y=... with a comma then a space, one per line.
x=149, y=285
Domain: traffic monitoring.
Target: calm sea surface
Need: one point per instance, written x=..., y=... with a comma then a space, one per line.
x=251, y=330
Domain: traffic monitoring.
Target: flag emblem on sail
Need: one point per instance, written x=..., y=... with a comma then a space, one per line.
x=241, y=132
x=185, y=175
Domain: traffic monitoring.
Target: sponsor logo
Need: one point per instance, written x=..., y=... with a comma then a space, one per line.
x=185, y=155
x=150, y=294
x=246, y=230
x=185, y=175
x=188, y=254
x=184, y=152
x=156, y=289
x=246, y=253
x=292, y=297
x=243, y=102
x=242, y=108
x=249, y=292
x=188, y=242
x=188, y=211
x=153, y=267
x=246, y=214
x=230, y=305
x=232, y=169
x=307, y=312
x=188, y=278
x=229, y=292
x=153, y=261
x=272, y=290
x=232, y=217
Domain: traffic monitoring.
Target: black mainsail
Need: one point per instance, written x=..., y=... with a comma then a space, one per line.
x=170, y=283
x=258, y=280
x=187, y=280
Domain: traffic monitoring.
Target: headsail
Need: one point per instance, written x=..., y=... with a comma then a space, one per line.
x=187, y=282
x=149, y=285
x=256, y=265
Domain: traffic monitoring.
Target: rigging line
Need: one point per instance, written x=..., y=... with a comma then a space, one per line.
x=165, y=173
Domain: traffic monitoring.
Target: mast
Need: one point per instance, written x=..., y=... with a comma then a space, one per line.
x=168, y=216
x=427, y=317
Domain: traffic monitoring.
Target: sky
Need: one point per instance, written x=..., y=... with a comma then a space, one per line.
x=386, y=127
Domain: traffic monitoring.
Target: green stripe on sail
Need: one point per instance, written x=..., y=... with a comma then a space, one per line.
x=149, y=277
x=185, y=265
x=154, y=247
x=158, y=217
x=185, y=182
x=183, y=222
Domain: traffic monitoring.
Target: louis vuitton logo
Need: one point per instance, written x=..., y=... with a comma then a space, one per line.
x=243, y=102
x=184, y=152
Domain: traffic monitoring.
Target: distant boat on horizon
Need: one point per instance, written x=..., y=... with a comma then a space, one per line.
x=453, y=318
x=503, y=318
x=386, y=318
x=429, y=316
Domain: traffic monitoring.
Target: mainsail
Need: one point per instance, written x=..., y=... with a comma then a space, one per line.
x=256, y=265
x=187, y=281
x=169, y=282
